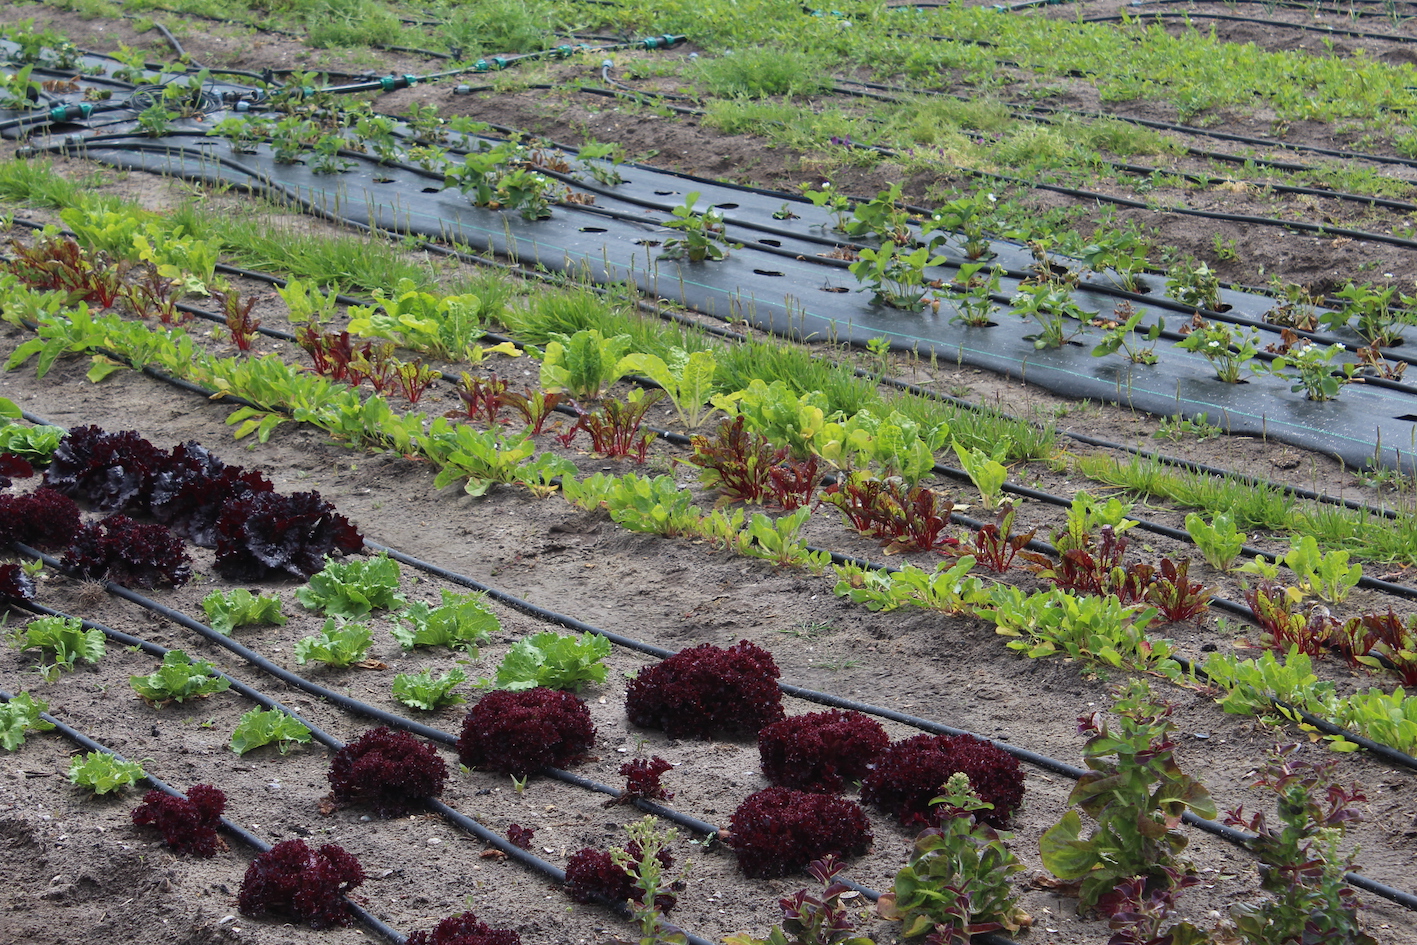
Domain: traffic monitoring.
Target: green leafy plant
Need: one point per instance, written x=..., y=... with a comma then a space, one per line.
x=780, y=541
x=1137, y=343
x=1134, y=792
x=833, y=201
x=656, y=505
x=813, y=919
x=227, y=610
x=445, y=327
x=949, y=588
x=483, y=458
x=896, y=274
x=461, y=622
x=21, y=715
x=261, y=727
x=782, y=416
x=985, y=471
x=893, y=445
x=968, y=215
x=64, y=638
x=306, y=303
x=1219, y=542
x=1051, y=306
x=1311, y=368
x=1326, y=574
x=178, y=679
x=1194, y=283
x=972, y=295
x=703, y=234
x=686, y=377
x=1177, y=428
x=554, y=661
x=422, y=691
x=353, y=588
x=1098, y=628
x=1125, y=254
x=956, y=884
x=1371, y=311
x=1227, y=347
x=650, y=844
x=338, y=644
x=881, y=217
x=584, y=364
x=102, y=772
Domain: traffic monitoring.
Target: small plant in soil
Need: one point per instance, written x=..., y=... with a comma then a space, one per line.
x=227, y=610
x=813, y=919
x=422, y=690
x=239, y=320
x=1178, y=428
x=1175, y=595
x=553, y=661
x=292, y=880
x=743, y=466
x=188, y=824
x=464, y=929
x=338, y=644
x=20, y=715
x=703, y=234
x=461, y=622
x=687, y=377
x=704, y=691
x=642, y=780
x=646, y=859
x=984, y=470
x=1135, y=793
x=519, y=733
x=483, y=397
x=354, y=588
x=1284, y=622
x=583, y=364
x=1228, y=348
x=821, y=751
x=387, y=771
x=261, y=727
x=909, y=773
x=102, y=773
x=1302, y=865
x=956, y=884
x=779, y=830
x=65, y=639
x=903, y=518
x=178, y=679
x=265, y=534
x=615, y=875
x=1392, y=638
x=535, y=406
x=614, y=428
x=1218, y=541
x=994, y=544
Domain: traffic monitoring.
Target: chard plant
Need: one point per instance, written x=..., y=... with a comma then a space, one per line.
x=306, y=304
x=956, y=884
x=1135, y=794
x=1227, y=347
x=780, y=541
x=985, y=470
x=445, y=327
x=702, y=235
x=1218, y=541
x=686, y=377
x=104, y=773
x=1303, y=866
x=584, y=364
x=658, y=506
x=261, y=727
x=614, y=426
x=903, y=518
x=19, y=715
x=779, y=414
x=949, y=588
x=896, y=274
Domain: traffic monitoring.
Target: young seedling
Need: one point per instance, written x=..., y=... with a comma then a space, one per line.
x=703, y=236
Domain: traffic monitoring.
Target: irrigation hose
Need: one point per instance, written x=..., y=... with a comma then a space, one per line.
x=365, y=917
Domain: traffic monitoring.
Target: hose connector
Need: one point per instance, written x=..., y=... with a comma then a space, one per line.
x=70, y=112
x=666, y=41
x=391, y=82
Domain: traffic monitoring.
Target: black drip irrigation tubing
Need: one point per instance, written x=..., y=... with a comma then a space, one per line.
x=366, y=918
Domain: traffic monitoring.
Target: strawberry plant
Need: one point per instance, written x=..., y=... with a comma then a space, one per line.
x=1225, y=346
x=261, y=727
x=554, y=662
x=101, y=772
x=896, y=274
x=227, y=610
x=956, y=884
x=422, y=691
x=1134, y=792
x=703, y=237
x=178, y=679
x=338, y=644
x=1120, y=338
x=20, y=715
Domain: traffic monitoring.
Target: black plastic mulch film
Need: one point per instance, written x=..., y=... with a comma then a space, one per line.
x=779, y=281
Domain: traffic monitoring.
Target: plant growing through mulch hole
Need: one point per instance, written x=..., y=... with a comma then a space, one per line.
x=821, y=751
x=614, y=428
x=896, y=274
x=290, y=879
x=704, y=691
x=1311, y=367
x=1128, y=335
x=484, y=397
x=1051, y=305
x=1174, y=594
x=261, y=727
x=814, y=919
x=994, y=544
x=128, y=553
x=65, y=638
x=267, y=534
x=642, y=780
x=188, y=824
x=519, y=733
x=1227, y=347
x=101, y=772
x=903, y=518
x=703, y=235
x=956, y=883
x=1196, y=284
x=779, y=831
x=909, y=773
x=44, y=519
x=1392, y=638
x=1136, y=800
x=464, y=929
x=1302, y=864
x=1371, y=310
x=971, y=294
x=388, y=771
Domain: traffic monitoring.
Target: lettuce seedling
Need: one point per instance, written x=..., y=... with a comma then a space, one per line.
x=261, y=727
x=65, y=637
x=19, y=715
x=462, y=622
x=178, y=679
x=227, y=611
x=101, y=772
x=353, y=589
x=421, y=691
x=553, y=661
x=339, y=644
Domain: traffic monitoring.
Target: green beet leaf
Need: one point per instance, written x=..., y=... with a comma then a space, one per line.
x=353, y=589
x=102, y=772
x=261, y=727
x=178, y=679
x=555, y=662
x=422, y=691
x=19, y=715
x=239, y=608
x=462, y=622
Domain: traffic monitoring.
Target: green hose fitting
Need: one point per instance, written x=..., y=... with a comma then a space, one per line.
x=662, y=42
x=494, y=64
x=390, y=82
x=70, y=112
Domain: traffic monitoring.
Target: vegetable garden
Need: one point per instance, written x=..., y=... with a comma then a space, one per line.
x=667, y=510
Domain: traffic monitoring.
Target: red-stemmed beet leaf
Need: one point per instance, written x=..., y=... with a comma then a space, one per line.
x=1285, y=625
x=414, y=378
x=267, y=534
x=736, y=462
x=520, y=733
x=615, y=428
x=290, y=879
x=1175, y=594
x=132, y=554
x=483, y=398
x=995, y=546
x=705, y=691
x=779, y=830
x=1382, y=639
x=188, y=824
x=464, y=929
x=903, y=518
x=535, y=406
x=239, y=320
x=909, y=774
x=388, y=771
x=821, y=751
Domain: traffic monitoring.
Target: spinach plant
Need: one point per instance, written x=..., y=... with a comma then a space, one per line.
x=1134, y=792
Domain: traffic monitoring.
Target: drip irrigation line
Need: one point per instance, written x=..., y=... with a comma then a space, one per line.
x=1231, y=18
x=365, y=917
x=171, y=40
